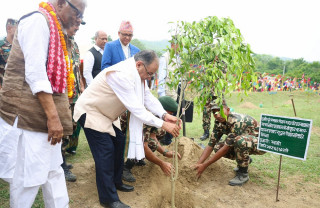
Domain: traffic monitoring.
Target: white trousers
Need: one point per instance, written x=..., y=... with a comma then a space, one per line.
x=54, y=190
x=28, y=161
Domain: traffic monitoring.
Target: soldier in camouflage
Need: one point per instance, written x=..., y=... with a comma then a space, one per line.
x=207, y=110
x=152, y=136
x=5, y=46
x=241, y=141
x=206, y=116
x=70, y=142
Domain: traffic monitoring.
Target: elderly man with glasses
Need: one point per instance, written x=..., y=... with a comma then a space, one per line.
x=117, y=89
x=34, y=104
x=121, y=49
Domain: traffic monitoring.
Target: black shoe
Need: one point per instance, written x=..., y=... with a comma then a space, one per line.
x=69, y=166
x=141, y=163
x=127, y=175
x=124, y=187
x=116, y=204
x=72, y=152
x=69, y=175
x=205, y=136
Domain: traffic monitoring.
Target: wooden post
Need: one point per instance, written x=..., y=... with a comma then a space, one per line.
x=277, y=199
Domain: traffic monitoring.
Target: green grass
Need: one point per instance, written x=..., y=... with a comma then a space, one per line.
x=307, y=106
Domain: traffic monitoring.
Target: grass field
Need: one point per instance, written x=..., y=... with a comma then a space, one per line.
x=307, y=106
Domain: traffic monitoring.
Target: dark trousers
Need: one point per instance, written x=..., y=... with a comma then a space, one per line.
x=107, y=152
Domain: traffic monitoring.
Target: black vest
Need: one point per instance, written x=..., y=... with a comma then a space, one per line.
x=97, y=62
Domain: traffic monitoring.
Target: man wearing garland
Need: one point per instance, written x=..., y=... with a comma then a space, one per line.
x=34, y=106
x=5, y=46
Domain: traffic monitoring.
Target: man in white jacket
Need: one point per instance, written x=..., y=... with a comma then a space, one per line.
x=116, y=89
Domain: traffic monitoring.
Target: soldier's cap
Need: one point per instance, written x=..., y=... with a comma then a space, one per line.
x=215, y=106
x=11, y=21
x=168, y=103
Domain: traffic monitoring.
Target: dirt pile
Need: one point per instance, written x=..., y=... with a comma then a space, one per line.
x=248, y=105
x=153, y=188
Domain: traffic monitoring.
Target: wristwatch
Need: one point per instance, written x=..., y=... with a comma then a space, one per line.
x=163, y=116
x=165, y=152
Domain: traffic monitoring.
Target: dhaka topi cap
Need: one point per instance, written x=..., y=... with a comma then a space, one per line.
x=126, y=27
x=168, y=103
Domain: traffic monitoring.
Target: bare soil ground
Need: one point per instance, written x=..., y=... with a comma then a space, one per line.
x=153, y=188
x=248, y=105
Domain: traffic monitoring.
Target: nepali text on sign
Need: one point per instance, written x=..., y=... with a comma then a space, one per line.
x=284, y=135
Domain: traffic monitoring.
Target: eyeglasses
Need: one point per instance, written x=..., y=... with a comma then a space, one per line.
x=79, y=14
x=126, y=35
x=150, y=75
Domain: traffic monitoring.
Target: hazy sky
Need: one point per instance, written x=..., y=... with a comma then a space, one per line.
x=277, y=27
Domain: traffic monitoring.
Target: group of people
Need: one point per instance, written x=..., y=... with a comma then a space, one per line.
x=45, y=100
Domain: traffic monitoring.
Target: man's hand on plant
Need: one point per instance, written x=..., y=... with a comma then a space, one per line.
x=171, y=153
x=171, y=119
x=171, y=128
x=166, y=168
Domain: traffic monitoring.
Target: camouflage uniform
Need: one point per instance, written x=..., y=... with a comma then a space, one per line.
x=147, y=131
x=5, y=48
x=207, y=110
x=70, y=142
x=206, y=116
x=242, y=136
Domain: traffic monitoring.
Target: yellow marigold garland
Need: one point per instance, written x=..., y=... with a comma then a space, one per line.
x=70, y=75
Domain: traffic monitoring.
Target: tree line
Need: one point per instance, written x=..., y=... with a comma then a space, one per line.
x=264, y=63
x=291, y=67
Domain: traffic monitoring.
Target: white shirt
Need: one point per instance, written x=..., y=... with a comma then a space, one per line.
x=126, y=50
x=40, y=156
x=124, y=90
x=35, y=51
x=88, y=63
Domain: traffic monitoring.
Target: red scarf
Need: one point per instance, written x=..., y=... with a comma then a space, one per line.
x=56, y=63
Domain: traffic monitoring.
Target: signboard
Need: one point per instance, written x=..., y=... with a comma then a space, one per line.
x=284, y=135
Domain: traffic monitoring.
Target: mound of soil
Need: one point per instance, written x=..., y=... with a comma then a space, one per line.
x=289, y=102
x=248, y=105
x=153, y=188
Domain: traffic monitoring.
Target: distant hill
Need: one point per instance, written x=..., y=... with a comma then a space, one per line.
x=158, y=46
x=285, y=58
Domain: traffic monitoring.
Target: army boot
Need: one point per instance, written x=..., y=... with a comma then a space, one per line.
x=237, y=168
x=242, y=176
x=126, y=174
x=205, y=135
x=69, y=175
